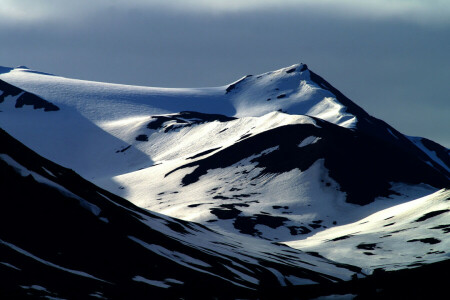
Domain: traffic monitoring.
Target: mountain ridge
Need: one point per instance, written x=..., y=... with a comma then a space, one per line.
x=281, y=158
x=76, y=226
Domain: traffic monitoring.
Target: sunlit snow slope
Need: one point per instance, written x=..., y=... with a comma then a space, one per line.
x=280, y=155
x=65, y=238
x=403, y=236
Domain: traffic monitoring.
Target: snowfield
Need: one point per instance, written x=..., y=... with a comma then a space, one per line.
x=403, y=236
x=269, y=167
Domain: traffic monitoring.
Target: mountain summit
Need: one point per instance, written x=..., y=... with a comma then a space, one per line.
x=281, y=157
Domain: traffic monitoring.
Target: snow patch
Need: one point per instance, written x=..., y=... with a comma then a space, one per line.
x=97, y=295
x=156, y=283
x=175, y=281
x=308, y=141
x=432, y=154
x=10, y=265
x=26, y=253
x=34, y=287
x=242, y=276
x=299, y=281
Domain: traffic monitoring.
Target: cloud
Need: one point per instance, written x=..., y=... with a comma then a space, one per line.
x=395, y=69
x=429, y=12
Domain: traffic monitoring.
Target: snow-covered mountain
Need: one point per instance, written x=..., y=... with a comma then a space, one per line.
x=89, y=243
x=383, y=239
x=282, y=156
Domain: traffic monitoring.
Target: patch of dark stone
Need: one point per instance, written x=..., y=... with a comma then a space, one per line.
x=246, y=224
x=8, y=90
x=431, y=215
x=314, y=226
x=227, y=211
x=268, y=99
x=26, y=98
x=142, y=138
x=123, y=149
x=36, y=101
x=445, y=228
x=223, y=130
x=244, y=136
x=281, y=96
x=225, y=214
x=385, y=236
x=197, y=205
x=185, y=119
x=234, y=85
x=436, y=252
x=401, y=230
x=177, y=227
x=389, y=218
x=365, y=246
x=221, y=197
x=315, y=254
x=160, y=120
x=280, y=207
x=368, y=253
x=204, y=153
x=296, y=230
x=430, y=241
x=416, y=264
x=340, y=238
x=390, y=224
x=241, y=196
x=290, y=70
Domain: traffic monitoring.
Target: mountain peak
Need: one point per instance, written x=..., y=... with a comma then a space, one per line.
x=300, y=67
x=262, y=163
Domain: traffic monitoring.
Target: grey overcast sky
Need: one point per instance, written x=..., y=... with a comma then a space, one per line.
x=392, y=57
